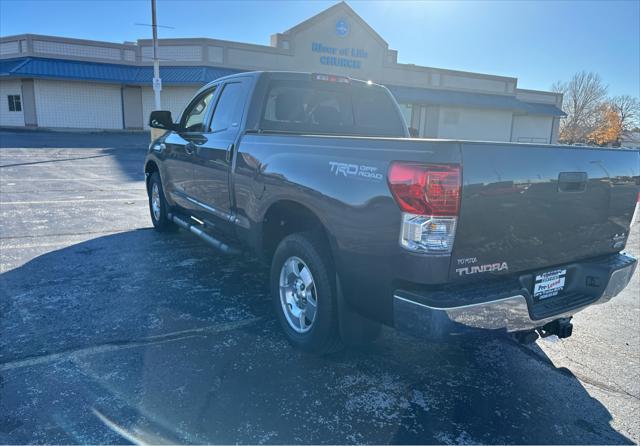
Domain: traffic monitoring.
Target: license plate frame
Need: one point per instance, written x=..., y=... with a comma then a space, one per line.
x=549, y=284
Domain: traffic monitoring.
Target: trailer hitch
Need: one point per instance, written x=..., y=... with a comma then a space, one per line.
x=563, y=328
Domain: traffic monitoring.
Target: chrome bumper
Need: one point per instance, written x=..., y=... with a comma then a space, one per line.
x=511, y=313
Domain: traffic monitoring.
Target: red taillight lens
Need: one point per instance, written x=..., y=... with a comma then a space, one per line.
x=331, y=78
x=426, y=189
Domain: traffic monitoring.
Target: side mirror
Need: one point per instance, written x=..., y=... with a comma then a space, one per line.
x=413, y=132
x=161, y=119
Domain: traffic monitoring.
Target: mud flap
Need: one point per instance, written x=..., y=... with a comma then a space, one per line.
x=355, y=329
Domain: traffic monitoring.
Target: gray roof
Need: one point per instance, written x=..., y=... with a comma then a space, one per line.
x=413, y=95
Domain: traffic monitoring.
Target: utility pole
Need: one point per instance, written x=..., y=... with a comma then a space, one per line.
x=157, y=82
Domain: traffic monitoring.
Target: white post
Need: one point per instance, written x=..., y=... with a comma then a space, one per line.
x=157, y=82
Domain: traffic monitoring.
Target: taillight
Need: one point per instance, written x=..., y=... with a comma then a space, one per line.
x=331, y=78
x=426, y=189
x=429, y=196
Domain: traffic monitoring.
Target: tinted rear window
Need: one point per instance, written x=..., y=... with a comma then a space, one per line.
x=330, y=108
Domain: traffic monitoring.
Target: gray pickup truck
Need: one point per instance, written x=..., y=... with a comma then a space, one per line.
x=363, y=224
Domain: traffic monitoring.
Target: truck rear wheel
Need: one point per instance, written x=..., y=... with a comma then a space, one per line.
x=304, y=293
x=158, y=207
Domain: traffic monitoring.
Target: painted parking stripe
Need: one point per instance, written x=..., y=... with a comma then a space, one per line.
x=31, y=180
x=73, y=191
x=95, y=200
x=122, y=345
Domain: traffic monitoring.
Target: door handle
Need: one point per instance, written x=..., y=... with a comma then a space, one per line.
x=190, y=148
x=229, y=152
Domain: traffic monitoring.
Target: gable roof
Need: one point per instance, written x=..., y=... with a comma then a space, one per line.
x=339, y=8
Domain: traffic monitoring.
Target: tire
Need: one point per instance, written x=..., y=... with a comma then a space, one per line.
x=306, y=308
x=159, y=216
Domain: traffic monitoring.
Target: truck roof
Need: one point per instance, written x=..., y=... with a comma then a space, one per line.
x=288, y=75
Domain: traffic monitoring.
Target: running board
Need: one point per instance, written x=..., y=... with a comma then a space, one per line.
x=220, y=246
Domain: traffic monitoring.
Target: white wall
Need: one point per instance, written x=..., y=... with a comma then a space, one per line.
x=77, y=50
x=9, y=118
x=407, y=110
x=9, y=48
x=535, y=129
x=169, y=53
x=78, y=105
x=460, y=82
x=477, y=124
x=544, y=97
x=174, y=99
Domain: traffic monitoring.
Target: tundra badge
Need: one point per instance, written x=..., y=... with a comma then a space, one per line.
x=490, y=267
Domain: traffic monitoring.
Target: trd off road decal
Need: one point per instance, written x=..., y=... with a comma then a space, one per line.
x=355, y=170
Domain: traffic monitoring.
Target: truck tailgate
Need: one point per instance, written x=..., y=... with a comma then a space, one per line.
x=526, y=207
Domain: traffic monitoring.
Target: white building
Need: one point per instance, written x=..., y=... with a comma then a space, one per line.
x=59, y=82
x=630, y=139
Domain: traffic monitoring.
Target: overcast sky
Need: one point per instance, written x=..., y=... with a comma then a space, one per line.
x=537, y=42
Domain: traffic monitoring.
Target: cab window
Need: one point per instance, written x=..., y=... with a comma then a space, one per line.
x=195, y=113
x=228, y=112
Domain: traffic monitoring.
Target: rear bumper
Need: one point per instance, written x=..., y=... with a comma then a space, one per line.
x=510, y=307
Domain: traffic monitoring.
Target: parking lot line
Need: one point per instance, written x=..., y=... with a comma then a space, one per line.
x=102, y=189
x=30, y=180
x=55, y=160
x=121, y=345
x=88, y=200
x=67, y=234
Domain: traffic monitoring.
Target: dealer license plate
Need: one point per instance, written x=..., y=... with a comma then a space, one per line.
x=549, y=284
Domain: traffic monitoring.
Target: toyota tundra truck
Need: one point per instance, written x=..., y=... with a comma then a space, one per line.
x=363, y=225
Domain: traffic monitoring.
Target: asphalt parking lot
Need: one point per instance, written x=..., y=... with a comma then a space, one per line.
x=112, y=333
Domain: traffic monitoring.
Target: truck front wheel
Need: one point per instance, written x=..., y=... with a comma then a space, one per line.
x=304, y=293
x=158, y=204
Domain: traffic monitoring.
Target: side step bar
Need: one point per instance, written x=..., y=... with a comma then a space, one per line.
x=220, y=246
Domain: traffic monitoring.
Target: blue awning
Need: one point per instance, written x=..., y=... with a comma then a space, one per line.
x=7, y=66
x=104, y=72
x=413, y=95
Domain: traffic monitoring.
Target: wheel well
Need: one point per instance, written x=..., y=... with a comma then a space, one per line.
x=288, y=217
x=149, y=168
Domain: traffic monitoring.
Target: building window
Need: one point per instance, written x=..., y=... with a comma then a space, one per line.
x=14, y=103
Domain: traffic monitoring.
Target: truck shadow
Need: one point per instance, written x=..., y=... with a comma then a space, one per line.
x=147, y=337
x=39, y=139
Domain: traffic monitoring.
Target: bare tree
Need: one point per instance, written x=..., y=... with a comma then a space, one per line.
x=584, y=95
x=628, y=110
